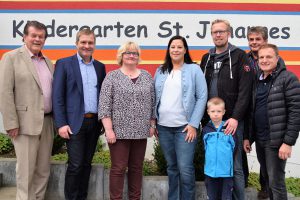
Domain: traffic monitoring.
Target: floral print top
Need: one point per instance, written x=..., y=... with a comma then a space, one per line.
x=129, y=105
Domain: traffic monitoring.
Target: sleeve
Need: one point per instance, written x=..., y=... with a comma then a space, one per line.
x=7, y=97
x=292, y=100
x=153, y=115
x=59, y=94
x=245, y=80
x=201, y=98
x=106, y=98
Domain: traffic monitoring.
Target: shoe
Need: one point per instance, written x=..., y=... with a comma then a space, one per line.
x=262, y=194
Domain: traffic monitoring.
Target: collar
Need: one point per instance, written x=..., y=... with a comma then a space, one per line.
x=39, y=55
x=80, y=60
x=267, y=79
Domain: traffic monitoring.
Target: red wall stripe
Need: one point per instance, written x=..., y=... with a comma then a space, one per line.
x=6, y=5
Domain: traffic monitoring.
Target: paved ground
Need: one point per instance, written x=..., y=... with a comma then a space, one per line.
x=7, y=193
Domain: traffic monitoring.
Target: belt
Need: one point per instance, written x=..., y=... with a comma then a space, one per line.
x=90, y=115
x=48, y=114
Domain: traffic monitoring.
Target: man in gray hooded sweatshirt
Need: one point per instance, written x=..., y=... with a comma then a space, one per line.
x=229, y=77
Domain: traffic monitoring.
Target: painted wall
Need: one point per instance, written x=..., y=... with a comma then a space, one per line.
x=151, y=24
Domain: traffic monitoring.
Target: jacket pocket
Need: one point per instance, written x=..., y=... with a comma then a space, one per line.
x=21, y=108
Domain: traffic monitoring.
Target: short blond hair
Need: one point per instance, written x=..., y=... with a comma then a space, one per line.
x=271, y=46
x=215, y=101
x=85, y=31
x=216, y=21
x=125, y=47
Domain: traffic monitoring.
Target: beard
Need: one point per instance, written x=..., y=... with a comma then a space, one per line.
x=222, y=44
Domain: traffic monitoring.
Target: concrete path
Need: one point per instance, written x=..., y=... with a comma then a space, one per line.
x=7, y=193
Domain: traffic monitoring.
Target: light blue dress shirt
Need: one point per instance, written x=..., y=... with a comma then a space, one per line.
x=89, y=82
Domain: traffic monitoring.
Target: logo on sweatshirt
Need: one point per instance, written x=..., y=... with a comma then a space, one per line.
x=247, y=68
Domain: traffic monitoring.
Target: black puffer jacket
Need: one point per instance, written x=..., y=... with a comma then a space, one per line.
x=283, y=108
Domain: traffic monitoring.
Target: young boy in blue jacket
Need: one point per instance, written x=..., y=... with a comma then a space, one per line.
x=219, y=150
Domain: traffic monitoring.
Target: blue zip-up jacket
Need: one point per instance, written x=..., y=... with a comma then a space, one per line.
x=194, y=92
x=219, y=151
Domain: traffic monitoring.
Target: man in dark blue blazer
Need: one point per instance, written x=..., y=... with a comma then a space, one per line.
x=76, y=87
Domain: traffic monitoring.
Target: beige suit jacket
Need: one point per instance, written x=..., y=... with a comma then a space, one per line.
x=21, y=95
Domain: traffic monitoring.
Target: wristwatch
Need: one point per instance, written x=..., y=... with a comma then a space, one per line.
x=153, y=126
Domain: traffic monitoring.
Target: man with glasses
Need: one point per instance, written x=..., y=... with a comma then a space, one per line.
x=229, y=77
x=76, y=87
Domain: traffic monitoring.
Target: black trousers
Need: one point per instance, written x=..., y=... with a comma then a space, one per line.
x=81, y=149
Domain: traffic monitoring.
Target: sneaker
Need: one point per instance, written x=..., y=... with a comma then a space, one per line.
x=262, y=194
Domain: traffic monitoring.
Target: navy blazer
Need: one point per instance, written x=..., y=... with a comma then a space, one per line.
x=67, y=92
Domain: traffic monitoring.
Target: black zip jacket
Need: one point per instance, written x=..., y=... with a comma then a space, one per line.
x=283, y=108
x=234, y=82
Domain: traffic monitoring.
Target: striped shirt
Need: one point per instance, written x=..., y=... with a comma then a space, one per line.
x=45, y=77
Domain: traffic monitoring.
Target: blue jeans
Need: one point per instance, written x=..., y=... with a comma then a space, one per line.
x=273, y=169
x=238, y=173
x=179, y=155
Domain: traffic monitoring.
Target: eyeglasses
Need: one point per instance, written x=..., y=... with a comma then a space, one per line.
x=128, y=53
x=218, y=32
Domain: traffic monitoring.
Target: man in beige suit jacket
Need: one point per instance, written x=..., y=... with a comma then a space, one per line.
x=26, y=107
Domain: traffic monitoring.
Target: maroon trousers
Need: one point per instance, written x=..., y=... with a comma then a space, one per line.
x=126, y=153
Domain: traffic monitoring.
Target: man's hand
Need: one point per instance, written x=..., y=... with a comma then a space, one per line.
x=285, y=151
x=231, y=126
x=191, y=133
x=247, y=146
x=64, y=131
x=13, y=133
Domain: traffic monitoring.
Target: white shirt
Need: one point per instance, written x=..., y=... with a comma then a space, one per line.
x=171, y=111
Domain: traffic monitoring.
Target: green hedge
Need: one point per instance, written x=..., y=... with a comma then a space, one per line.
x=6, y=145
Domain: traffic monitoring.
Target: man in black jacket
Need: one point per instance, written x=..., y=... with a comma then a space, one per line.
x=229, y=77
x=274, y=121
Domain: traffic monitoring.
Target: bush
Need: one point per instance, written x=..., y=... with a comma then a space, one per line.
x=102, y=157
x=198, y=159
x=60, y=157
x=150, y=168
x=5, y=144
x=292, y=184
x=58, y=143
x=159, y=159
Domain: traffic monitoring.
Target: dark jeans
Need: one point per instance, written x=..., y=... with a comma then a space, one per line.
x=126, y=153
x=263, y=181
x=219, y=188
x=238, y=173
x=272, y=169
x=81, y=149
